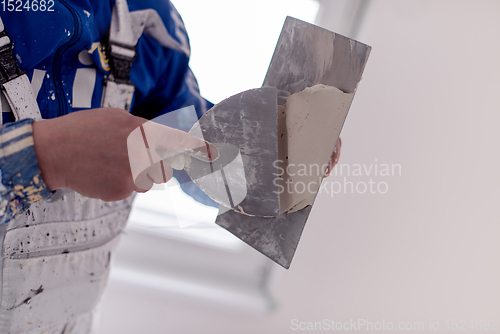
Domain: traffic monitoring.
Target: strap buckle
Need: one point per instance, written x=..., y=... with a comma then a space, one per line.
x=9, y=69
x=121, y=57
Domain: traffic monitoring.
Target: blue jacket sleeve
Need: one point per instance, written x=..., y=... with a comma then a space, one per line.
x=21, y=183
x=175, y=87
x=168, y=84
x=189, y=95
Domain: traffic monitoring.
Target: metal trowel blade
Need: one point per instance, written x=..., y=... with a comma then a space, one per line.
x=305, y=55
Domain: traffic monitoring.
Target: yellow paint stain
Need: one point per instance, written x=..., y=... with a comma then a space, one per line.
x=102, y=55
x=104, y=58
x=14, y=207
x=31, y=193
x=94, y=47
x=35, y=198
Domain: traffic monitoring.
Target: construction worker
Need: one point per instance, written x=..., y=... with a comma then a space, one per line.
x=77, y=77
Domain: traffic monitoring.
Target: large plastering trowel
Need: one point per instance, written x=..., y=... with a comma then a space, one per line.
x=294, y=119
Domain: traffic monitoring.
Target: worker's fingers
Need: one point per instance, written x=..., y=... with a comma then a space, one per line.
x=139, y=190
x=140, y=157
x=283, y=95
x=158, y=173
x=177, y=161
x=335, y=157
x=143, y=182
x=160, y=137
x=151, y=143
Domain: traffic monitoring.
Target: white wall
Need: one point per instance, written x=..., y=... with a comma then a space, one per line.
x=428, y=248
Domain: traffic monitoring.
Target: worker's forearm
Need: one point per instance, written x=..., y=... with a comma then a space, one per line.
x=92, y=152
x=48, y=144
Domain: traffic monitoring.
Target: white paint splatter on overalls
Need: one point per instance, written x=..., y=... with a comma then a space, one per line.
x=56, y=261
x=56, y=257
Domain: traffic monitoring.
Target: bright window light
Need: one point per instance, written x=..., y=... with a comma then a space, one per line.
x=232, y=42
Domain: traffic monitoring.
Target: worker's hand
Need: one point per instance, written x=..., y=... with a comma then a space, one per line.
x=335, y=157
x=87, y=151
x=155, y=149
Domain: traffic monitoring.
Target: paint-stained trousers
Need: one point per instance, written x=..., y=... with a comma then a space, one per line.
x=56, y=261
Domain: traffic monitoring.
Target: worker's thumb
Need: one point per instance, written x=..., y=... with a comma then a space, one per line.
x=158, y=173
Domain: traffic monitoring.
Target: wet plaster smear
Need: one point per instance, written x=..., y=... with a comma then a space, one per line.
x=309, y=125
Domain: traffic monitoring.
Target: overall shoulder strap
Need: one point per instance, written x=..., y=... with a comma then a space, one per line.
x=126, y=29
x=14, y=83
x=118, y=89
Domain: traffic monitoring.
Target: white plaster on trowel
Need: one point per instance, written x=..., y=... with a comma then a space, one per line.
x=309, y=125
